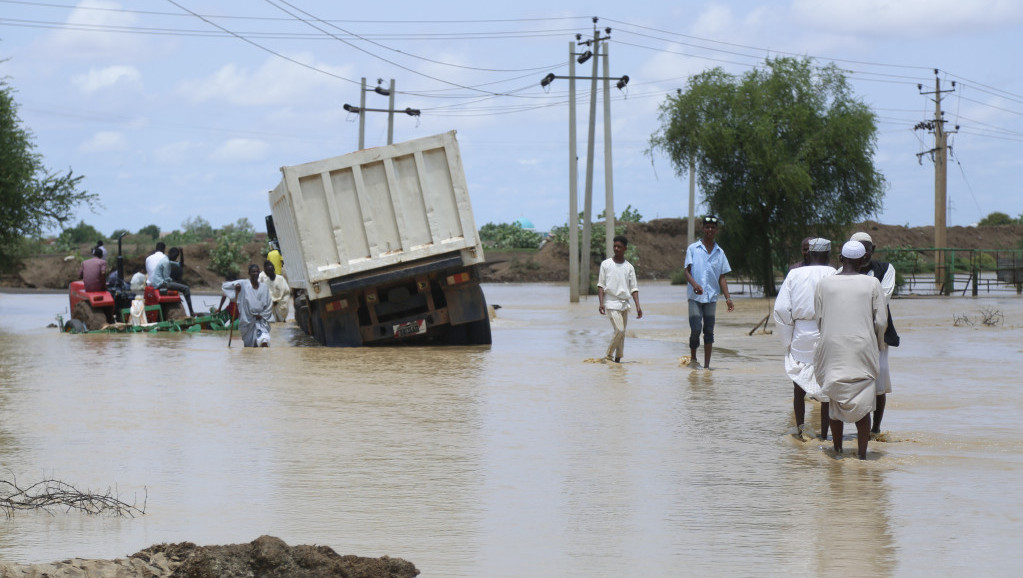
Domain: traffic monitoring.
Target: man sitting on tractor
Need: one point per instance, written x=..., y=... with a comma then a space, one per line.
x=161, y=279
x=94, y=272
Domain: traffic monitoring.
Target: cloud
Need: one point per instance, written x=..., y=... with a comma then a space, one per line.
x=174, y=153
x=104, y=141
x=240, y=150
x=275, y=82
x=85, y=34
x=914, y=18
x=98, y=78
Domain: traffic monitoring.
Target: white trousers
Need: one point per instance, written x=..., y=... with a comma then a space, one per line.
x=618, y=318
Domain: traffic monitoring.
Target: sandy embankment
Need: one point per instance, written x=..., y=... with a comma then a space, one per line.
x=264, y=557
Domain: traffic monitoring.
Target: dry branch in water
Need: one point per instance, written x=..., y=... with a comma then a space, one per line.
x=48, y=494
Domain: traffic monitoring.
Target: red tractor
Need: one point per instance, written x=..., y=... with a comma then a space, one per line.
x=95, y=309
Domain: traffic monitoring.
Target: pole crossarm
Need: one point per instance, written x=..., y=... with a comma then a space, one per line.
x=359, y=110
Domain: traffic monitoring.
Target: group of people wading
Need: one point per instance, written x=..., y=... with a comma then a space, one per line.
x=835, y=324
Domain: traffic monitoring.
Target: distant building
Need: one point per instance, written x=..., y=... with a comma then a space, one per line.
x=525, y=224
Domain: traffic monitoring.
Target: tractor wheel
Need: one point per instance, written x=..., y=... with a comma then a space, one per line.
x=74, y=326
x=174, y=312
x=92, y=318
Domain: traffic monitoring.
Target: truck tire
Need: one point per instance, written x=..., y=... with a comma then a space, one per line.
x=93, y=319
x=478, y=332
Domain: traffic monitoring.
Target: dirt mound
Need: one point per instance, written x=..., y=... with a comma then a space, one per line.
x=58, y=271
x=661, y=245
x=264, y=557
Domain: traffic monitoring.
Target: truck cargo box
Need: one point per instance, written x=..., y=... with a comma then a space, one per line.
x=374, y=209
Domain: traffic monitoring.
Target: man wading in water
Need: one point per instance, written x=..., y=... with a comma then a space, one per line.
x=706, y=267
x=851, y=318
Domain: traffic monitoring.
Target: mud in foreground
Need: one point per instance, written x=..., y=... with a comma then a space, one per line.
x=266, y=556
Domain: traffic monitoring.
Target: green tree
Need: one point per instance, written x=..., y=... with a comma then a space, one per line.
x=198, y=227
x=997, y=218
x=226, y=257
x=33, y=198
x=81, y=233
x=782, y=152
x=151, y=231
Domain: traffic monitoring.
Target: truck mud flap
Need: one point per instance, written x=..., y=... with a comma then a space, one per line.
x=465, y=303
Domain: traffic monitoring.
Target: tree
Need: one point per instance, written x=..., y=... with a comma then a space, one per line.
x=34, y=199
x=997, y=218
x=783, y=152
x=199, y=227
x=151, y=231
x=81, y=233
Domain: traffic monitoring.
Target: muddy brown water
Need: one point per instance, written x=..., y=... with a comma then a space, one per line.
x=521, y=459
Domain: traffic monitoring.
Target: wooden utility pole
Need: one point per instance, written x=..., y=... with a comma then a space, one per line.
x=940, y=155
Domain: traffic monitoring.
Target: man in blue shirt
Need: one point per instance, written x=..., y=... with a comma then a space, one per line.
x=706, y=267
x=161, y=279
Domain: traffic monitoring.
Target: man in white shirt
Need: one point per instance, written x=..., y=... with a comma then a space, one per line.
x=617, y=281
x=153, y=260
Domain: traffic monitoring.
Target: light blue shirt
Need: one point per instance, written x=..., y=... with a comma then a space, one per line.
x=707, y=268
x=161, y=273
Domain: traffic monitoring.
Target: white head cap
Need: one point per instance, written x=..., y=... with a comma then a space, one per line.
x=819, y=245
x=861, y=236
x=853, y=250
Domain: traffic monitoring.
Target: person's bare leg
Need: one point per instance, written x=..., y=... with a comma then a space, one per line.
x=879, y=413
x=798, y=405
x=825, y=420
x=863, y=436
x=836, y=434
x=707, y=348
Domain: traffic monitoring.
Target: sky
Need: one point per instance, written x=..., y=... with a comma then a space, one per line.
x=179, y=109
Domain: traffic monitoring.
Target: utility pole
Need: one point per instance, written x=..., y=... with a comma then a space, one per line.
x=940, y=155
x=361, y=110
x=573, y=186
x=579, y=257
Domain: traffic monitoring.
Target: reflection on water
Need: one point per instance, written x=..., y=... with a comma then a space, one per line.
x=519, y=459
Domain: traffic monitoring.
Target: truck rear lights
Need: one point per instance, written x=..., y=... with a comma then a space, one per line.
x=458, y=278
x=339, y=305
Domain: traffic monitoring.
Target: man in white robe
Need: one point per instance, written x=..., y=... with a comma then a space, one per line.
x=885, y=273
x=796, y=323
x=851, y=318
x=254, y=307
x=280, y=292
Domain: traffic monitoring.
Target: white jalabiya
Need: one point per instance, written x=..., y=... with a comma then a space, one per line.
x=280, y=294
x=852, y=319
x=796, y=323
x=884, y=378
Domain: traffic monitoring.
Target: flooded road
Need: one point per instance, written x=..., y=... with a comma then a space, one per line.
x=524, y=458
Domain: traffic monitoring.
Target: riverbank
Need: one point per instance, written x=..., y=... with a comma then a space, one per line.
x=660, y=245
x=265, y=556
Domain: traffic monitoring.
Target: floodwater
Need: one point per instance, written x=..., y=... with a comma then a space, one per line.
x=523, y=458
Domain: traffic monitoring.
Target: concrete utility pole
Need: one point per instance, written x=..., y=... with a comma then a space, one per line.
x=609, y=195
x=940, y=155
x=579, y=257
x=691, y=229
x=361, y=110
x=584, y=266
x=573, y=186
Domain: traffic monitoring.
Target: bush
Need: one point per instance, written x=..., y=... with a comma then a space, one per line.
x=228, y=253
x=508, y=236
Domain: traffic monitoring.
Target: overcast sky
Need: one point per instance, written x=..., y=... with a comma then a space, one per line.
x=183, y=108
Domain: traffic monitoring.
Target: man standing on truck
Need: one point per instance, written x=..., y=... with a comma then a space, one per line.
x=617, y=281
x=254, y=307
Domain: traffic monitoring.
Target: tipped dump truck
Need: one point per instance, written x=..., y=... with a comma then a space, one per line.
x=380, y=246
